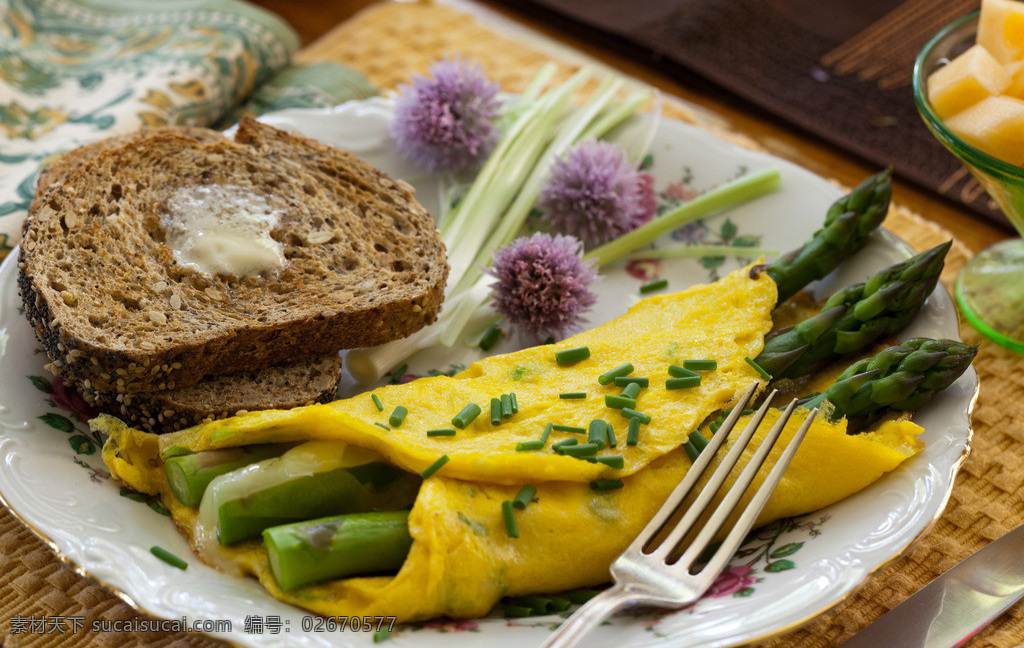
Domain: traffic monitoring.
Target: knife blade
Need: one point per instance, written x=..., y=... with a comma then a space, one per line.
x=957, y=604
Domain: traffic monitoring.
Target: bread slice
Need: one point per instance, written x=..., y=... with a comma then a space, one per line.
x=217, y=397
x=117, y=312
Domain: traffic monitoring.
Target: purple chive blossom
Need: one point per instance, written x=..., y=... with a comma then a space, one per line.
x=444, y=123
x=596, y=194
x=542, y=284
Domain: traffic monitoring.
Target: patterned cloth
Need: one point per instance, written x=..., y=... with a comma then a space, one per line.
x=76, y=71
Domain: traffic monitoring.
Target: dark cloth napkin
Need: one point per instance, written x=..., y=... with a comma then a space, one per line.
x=839, y=69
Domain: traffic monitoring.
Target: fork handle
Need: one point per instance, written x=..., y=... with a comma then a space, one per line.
x=588, y=616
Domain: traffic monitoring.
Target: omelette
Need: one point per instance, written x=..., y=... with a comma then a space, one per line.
x=462, y=557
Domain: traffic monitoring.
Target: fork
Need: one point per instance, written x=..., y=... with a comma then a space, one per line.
x=648, y=573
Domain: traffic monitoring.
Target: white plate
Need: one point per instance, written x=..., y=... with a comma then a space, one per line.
x=789, y=573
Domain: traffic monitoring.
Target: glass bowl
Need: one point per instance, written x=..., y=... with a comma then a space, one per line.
x=990, y=289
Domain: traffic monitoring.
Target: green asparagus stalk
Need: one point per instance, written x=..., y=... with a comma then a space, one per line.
x=900, y=378
x=855, y=317
x=189, y=475
x=336, y=547
x=848, y=223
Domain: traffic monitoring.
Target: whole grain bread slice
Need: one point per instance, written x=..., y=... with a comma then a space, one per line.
x=363, y=262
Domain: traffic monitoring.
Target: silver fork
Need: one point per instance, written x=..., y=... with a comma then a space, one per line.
x=646, y=575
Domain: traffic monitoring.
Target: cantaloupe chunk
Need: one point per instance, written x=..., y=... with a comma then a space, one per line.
x=994, y=125
x=968, y=79
x=1016, y=87
x=1001, y=29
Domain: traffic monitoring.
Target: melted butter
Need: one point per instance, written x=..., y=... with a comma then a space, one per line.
x=222, y=229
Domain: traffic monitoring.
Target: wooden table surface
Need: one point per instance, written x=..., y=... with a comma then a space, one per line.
x=311, y=19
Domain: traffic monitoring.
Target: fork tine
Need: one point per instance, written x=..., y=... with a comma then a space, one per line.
x=711, y=488
x=746, y=520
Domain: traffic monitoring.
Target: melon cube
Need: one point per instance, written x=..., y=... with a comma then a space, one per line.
x=966, y=80
x=1016, y=87
x=994, y=125
x=1001, y=29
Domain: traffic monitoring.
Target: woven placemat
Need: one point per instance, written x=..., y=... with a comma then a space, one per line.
x=388, y=43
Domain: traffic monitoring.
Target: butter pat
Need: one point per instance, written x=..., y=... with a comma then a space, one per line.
x=222, y=229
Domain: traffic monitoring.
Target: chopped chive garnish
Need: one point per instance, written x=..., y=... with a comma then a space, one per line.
x=678, y=372
x=612, y=461
x=605, y=484
x=434, y=467
x=598, y=433
x=528, y=446
x=700, y=365
x=686, y=382
x=377, y=403
x=657, y=284
x=441, y=432
x=612, y=442
x=632, y=390
x=398, y=416
x=633, y=414
x=558, y=604
x=495, y=411
x=622, y=381
x=490, y=337
x=466, y=416
x=618, y=402
x=633, y=432
x=568, y=428
x=691, y=451
x=714, y=425
x=572, y=395
x=382, y=426
x=698, y=440
x=383, y=634
x=517, y=611
x=546, y=433
x=563, y=444
x=579, y=597
x=609, y=376
x=583, y=449
x=168, y=557
x=506, y=406
x=758, y=368
x=525, y=496
x=510, y=519
x=572, y=356
x=515, y=402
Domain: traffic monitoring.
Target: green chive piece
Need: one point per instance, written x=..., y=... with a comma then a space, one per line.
x=598, y=433
x=506, y=406
x=525, y=496
x=678, y=372
x=633, y=414
x=618, y=402
x=582, y=450
x=758, y=368
x=691, y=451
x=466, y=416
x=698, y=441
x=528, y=446
x=612, y=461
x=546, y=433
x=651, y=286
x=563, y=444
x=382, y=426
x=622, y=381
x=398, y=416
x=382, y=635
x=434, y=467
x=632, y=390
x=558, y=604
x=633, y=432
x=611, y=435
x=376, y=401
x=605, y=484
x=490, y=337
x=568, y=428
x=168, y=557
x=495, y=411
x=572, y=356
x=700, y=365
x=714, y=425
x=572, y=395
x=682, y=383
x=581, y=596
x=609, y=376
x=515, y=402
x=510, y=519
x=517, y=612
x=441, y=432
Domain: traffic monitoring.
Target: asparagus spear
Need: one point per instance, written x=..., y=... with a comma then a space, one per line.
x=335, y=547
x=848, y=223
x=901, y=377
x=855, y=317
x=189, y=475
